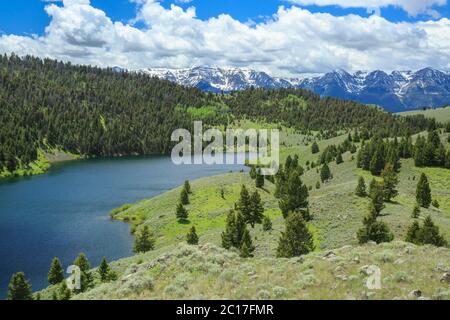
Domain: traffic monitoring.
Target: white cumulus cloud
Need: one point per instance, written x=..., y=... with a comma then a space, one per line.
x=293, y=40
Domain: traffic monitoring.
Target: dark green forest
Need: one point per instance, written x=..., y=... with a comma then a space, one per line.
x=99, y=112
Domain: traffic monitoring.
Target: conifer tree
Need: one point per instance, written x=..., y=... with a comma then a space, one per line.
x=296, y=240
x=361, y=188
x=247, y=247
x=83, y=263
x=315, y=148
x=187, y=187
x=374, y=230
x=253, y=172
x=267, y=224
x=234, y=230
x=390, y=182
x=295, y=198
x=416, y=212
x=144, y=240
x=377, y=197
x=325, y=173
x=244, y=204
x=104, y=270
x=412, y=235
x=64, y=292
x=184, y=197
x=256, y=209
x=423, y=192
x=56, y=272
x=181, y=212
x=259, y=182
x=429, y=234
x=339, y=159
x=19, y=288
x=192, y=237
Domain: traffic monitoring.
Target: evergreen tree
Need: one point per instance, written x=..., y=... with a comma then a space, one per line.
x=374, y=230
x=390, y=182
x=244, y=204
x=412, y=235
x=19, y=288
x=296, y=197
x=296, y=240
x=104, y=270
x=377, y=163
x=256, y=209
x=361, y=188
x=315, y=148
x=253, y=172
x=435, y=204
x=184, y=197
x=267, y=224
x=82, y=262
x=234, y=230
x=187, y=187
x=325, y=173
x=423, y=192
x=56, y=272
x=144, y=240
x=318, y=185
x=429, y=234
x=63, y=293
x=377, y=197
x=247, y=247
x=192, y=237
x=259, y=180
x=181, y=212
x=416, y=212
x=339, y=159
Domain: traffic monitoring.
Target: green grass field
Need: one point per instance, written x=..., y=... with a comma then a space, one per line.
x=441, y=114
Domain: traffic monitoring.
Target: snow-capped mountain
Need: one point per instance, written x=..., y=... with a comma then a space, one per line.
x=395, y=91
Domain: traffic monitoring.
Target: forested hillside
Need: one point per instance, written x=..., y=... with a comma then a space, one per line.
x=99, y=112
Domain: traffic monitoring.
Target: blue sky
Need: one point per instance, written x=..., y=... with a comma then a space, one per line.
x=28, y=16
x=281, y=37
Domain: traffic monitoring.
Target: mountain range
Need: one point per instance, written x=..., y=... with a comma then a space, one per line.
x=396, y=91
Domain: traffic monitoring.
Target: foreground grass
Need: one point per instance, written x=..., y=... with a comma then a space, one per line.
x=210, y=272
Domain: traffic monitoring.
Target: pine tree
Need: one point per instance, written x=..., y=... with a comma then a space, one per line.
x=377, y=163
x=377, y=197
x=339, y=159
x=374, y=230
x=184, y=197
x=234, y=230
x=435, y=204
x=244, y=204
x=187, y=187
x=192, y=237
x=423, y=192
x=325, y=173
x=296, y=240
x=82, y=262
x=295, y=198
x=416, y=212
x=19, y=288
x=247, y=248
x=361, y=188
x=63, y=293
x=256, y=209
x=429, y=234
x=104, y=270
x=259, y=182
x=144, y=240
x=315, y=148
x=181, y=212
x=253, y=172
x=56, y=272
x=390, y=182
x=267, y=224
x=412, y=235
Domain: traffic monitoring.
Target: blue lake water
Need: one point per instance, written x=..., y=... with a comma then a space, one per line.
x=66, y=211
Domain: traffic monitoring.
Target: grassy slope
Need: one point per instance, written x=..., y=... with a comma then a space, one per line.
x=337, y=214
x=441, y=114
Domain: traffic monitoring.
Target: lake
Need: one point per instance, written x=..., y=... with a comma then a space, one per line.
x=66, y=211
